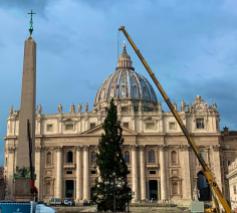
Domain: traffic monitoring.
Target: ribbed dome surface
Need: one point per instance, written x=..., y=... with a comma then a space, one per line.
x=125, y=84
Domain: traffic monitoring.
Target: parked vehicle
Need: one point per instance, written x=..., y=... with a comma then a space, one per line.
x=54, y=201
x=42, y=208
x=68, y=202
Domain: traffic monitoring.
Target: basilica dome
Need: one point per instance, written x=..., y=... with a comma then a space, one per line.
x=126, y=85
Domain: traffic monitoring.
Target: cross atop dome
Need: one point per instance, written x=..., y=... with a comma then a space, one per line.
x=124, y=51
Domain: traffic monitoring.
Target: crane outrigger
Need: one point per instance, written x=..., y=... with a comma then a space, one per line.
x=206, y=170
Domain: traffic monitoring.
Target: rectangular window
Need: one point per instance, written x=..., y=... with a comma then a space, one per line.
x=49, y=127
x=174, y=173
x=172, y=125
x=175, y=188
x=93, y=172
x=69, y=172
x=69, y=127
x=124, y=109
x=150, y=125
x=234, y=187
x=47, y=188
x=151, y=156
x=200, y=123
x=126, y=124
x=152, y=172
x=92, y=125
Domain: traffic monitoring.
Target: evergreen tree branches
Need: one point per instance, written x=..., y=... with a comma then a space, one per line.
x=111, y=191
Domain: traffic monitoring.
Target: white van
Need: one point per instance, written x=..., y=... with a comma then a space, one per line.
x=55, y=201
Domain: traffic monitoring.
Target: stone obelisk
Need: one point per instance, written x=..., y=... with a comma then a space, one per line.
x=27, y=108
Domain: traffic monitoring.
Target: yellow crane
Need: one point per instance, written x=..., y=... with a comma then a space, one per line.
x=206, y=170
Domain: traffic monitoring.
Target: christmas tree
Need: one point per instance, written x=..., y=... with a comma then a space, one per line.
x=111, y=191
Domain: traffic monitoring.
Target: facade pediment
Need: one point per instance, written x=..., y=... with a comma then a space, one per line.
x=69, y=120
x=98, y=130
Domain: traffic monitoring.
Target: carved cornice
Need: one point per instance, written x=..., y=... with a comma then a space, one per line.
x=79, y=148
x=58, y=148
x=38, y=149
x=86, y=147
x=11, y=149
x=184, y=147
x=69, y=119
x=9, y=137
x=216, y=148
x=142, y=147
x=134, y=147
x=163, y=147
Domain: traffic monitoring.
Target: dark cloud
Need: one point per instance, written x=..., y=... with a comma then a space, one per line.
x=191, y=46
x=36, y=5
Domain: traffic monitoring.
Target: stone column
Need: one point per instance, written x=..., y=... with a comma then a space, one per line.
x=78, y=174
x=215, y=151
x=86, y=187
x=38, y=156
x=10, y=173
x=134, y=174
x=59, y=173
x=142, y=173
x=163, y=177
x=186, y=183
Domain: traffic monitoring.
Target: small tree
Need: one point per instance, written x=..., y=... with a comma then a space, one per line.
x=111, y=191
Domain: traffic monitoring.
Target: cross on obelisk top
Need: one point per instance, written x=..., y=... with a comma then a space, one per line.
x=31, y=22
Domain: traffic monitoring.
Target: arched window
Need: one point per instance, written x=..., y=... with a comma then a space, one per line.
x=112, y=92
x=145, y=92
x=127, y=157
x=102, y=94
x=135, y=91
x=151, y=156
x=174, y=157
x=123, y=91
x=69, y=157
x=93, y=157
x=48, y=158
x=175, y=188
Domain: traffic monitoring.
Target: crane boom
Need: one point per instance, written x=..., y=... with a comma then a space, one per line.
x=206, y=169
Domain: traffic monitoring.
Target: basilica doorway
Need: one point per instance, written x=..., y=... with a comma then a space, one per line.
x=69, y=188
x=203, y=187
x=153, y=189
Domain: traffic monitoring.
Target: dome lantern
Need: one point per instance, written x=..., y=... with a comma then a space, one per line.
x=124, y=61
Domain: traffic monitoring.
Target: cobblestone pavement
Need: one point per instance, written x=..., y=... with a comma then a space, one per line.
x=132, y=209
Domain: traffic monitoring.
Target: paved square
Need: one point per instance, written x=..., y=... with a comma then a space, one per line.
x=132, y=209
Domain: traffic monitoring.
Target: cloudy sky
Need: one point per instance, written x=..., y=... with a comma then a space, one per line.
x=191, y=46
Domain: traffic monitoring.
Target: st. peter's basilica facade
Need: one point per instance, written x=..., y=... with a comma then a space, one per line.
x=161, y=164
